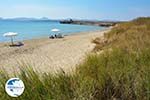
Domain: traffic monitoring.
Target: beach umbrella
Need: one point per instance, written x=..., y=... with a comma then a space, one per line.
x=55, y=30
x=11, y=35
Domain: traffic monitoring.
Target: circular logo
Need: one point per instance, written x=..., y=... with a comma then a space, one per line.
x=14, y=87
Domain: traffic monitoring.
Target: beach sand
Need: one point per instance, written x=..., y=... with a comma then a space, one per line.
x=48, y=55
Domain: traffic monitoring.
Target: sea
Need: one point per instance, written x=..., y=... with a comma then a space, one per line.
x=40, y=29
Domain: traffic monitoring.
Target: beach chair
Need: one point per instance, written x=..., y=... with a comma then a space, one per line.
x=51, y=37
x=59, y=36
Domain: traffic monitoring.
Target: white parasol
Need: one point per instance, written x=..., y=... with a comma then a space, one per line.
x=11, y=35
x=55, y=30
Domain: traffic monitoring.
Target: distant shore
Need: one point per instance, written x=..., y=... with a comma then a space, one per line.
x=93, y=23
x=49, y=55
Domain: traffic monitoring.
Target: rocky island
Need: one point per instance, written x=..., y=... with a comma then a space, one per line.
x=85, y=22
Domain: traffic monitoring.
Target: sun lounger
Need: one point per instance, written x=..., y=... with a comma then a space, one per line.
x=59, y=36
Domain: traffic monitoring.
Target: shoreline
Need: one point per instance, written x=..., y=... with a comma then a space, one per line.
x=72, y=34
x=49, y=55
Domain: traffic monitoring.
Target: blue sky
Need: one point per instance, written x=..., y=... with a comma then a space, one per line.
x=79, y=9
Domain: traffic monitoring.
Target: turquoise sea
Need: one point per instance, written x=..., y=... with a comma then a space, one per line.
x=39, y=29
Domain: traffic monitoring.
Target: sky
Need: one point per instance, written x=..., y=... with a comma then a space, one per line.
x=76, y=9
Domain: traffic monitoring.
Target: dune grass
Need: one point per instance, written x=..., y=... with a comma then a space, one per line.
x=120, y=72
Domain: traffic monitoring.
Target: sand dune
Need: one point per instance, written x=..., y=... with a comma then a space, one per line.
x=47, y=55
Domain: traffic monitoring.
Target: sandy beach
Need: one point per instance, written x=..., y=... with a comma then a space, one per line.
x=48, y=55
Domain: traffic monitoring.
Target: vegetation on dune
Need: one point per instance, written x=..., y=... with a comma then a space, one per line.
x=131, y=36
x=120, y=72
